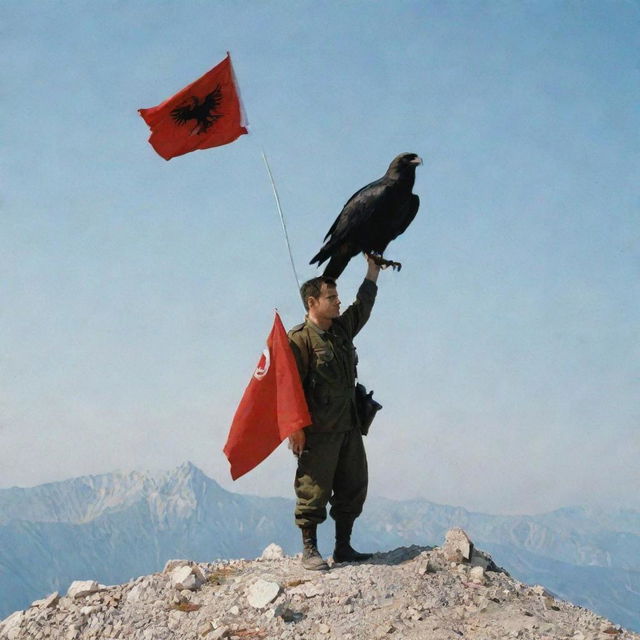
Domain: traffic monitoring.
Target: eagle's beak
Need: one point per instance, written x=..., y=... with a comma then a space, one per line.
x=417, y=160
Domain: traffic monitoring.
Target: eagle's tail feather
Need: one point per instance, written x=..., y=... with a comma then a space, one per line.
x=321, y=256
x=336, y=266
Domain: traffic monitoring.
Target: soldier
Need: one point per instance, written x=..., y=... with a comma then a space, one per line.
x=332, y=464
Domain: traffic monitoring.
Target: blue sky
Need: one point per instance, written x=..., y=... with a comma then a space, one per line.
x=137, y=293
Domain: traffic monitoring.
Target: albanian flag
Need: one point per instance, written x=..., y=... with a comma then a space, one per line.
x=207, y=113
x=272, y=407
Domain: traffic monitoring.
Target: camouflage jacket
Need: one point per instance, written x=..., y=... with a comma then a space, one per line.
x=327, y=363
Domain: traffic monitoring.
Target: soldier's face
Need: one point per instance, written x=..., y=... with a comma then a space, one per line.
x=327, y=305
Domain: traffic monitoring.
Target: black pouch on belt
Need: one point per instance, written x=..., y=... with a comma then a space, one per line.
x=366, y=407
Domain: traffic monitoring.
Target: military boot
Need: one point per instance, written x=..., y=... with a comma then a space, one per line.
x=344, y=552
x=311, y=558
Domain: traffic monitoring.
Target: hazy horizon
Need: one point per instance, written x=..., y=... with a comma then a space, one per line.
x=161, y=472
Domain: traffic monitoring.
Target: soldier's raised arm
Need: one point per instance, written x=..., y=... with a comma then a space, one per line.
x=373, y=269
x=356, y=316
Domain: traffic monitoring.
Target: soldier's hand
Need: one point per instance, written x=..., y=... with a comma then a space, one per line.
x=373, y=269
x=296, y=442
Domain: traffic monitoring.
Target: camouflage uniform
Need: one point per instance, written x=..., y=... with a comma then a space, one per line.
x=333, y=466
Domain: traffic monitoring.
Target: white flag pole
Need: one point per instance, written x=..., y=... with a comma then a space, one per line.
x=284, y=226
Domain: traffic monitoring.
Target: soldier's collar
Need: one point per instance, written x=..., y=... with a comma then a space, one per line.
x=314, y=326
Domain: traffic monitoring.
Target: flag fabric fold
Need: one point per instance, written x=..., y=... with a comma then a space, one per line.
x=272, y=408
x=207, y=113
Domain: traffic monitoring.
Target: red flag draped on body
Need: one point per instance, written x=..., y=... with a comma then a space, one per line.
x=207, y=113
x=272, y=407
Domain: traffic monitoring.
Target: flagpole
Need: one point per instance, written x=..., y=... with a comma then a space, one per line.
x=284, y=226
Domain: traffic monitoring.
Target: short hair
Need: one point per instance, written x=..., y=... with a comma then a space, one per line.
x=313, y=287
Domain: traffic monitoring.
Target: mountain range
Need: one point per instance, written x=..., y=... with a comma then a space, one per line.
x=115, y=526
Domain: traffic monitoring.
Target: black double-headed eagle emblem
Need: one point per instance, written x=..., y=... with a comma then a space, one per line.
x=203, y=111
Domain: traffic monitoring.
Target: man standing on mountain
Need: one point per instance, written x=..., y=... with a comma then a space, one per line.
x=332, y=464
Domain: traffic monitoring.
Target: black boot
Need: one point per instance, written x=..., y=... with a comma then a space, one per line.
x=311, y=558
x=344, y=552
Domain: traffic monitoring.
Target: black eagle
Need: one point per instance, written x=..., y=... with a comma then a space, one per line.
x=202, y=111
x=372, y=218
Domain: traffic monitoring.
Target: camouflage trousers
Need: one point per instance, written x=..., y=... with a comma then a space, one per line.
x=331, y=469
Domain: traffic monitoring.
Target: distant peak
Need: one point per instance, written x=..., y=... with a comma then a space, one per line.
x=193, y=476
x=188, y=468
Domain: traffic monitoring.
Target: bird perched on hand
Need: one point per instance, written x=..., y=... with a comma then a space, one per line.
x=372, y=218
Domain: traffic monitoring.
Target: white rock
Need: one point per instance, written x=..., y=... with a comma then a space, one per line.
x=81, y=588
x=262, y=592
x=173, y=564
x=324, y=628
x=189, y=584
x=477, y=575
x=184, y=578
x=136, y=593
x=235, y=610
x=424, y=566
x=457, y=546
x=272, y=552
x=48, y=602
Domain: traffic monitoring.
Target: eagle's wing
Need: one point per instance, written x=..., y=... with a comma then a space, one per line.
x=351, y=229
x=359, y=210
x=212, y=100
x=184, y=113
x=412, y=210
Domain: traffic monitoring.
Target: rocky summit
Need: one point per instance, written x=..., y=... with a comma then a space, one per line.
x=426, y=593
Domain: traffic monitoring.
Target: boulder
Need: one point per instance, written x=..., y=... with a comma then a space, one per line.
x=262, y=592
x=184, y=577
x=82, y=588
x=173, y=564
x=48, y=602
x=272, y=552
x=457, y=546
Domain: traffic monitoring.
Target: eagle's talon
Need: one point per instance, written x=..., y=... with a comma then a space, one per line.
x=383, y=263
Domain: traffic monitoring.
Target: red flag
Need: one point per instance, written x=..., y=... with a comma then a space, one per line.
x=207, y=113
x=272, y=407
